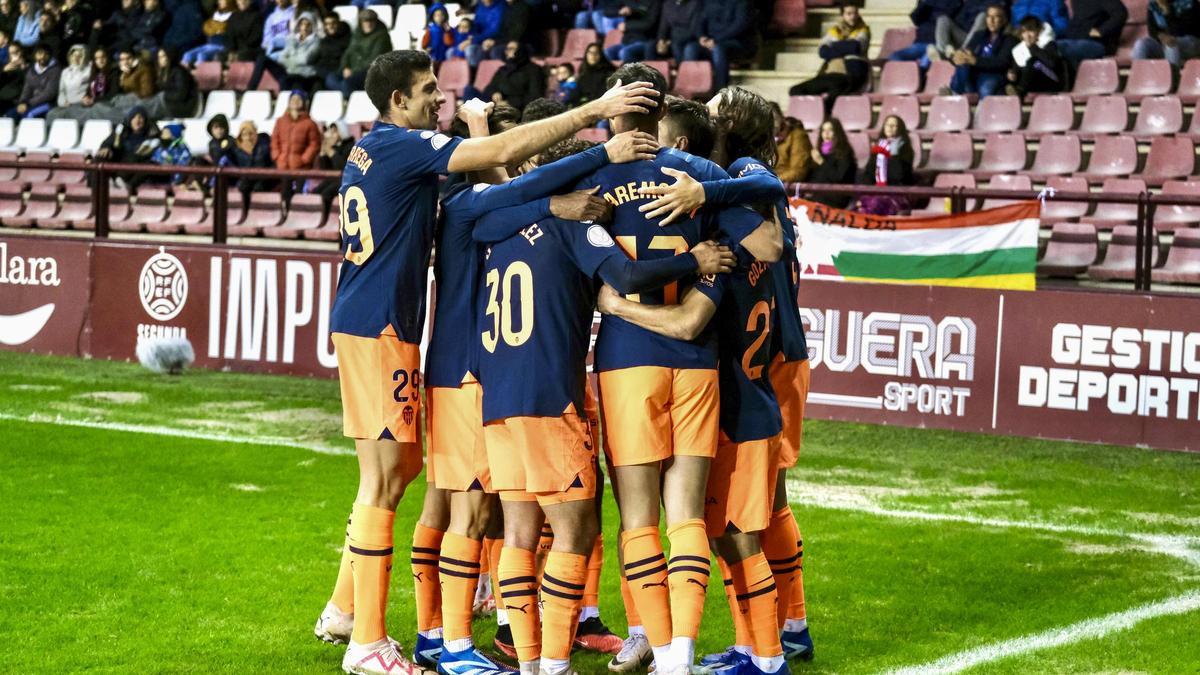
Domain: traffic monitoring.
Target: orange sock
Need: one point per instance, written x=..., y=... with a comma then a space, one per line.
x=518, y=585
x=427, y=589
x=646, y=571
x=757, y=600
x=370, y=544
x=343, y=588
x=562, y=597
x=741, y=632
x=688, y=573
x=782, y=550
x=632, y=618
x=492, y=547
x=458, y=570
x=545, y=541
x=591, y=588
x=796, y=611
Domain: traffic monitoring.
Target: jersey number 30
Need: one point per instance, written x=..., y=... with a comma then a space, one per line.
x=356, y=222
x=517, y=282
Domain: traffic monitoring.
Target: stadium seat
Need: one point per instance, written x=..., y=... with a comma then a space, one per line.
x=330, y=229
x=613, y=37
x=1194, y=128
x=663, y=67
x=1002, y=153
x=42, y=203
x=1183, y=260
x=69, y=177
x=1170, y=158
x=280, y=109
x=1051, y=115
x=1168, y=217
x=238, y=76
x=1130, y=34
x=788, y=18
x=266, y=210
x=1005, y=181
x=854, y=112
x=1056, y=156
x=186, y=209
x=947, y=113
x=1096, y=77
x=860, y=144
x=12, y=205
x=1148, y=77
x=6, y=131
x=810, y=110
x=204, y=225
x=327, y=106
x=454, y=75
x=64, y=135
x=93, y=134
x=255, y=106
x=895, y=39
x=195, y=136
x=118, y=210
x=593, y=134
x=360, y=109
x=447, y=111
x=9, y=173
x=577, y=43
x=413, y=18
x=387, y=15
x=348, y=13
x=35, y=176
x=208, y=75
x=1072, y=248
x=150, y=207
x=1112, y=156
x=694, y=78
x=939, y=206
x=403, y=38
x=1189, y=82
x=1121, y=258
x=936, y=78
x=76, y=208
x=1159, y=115
x=997, y=114
x=220, y=102
x=1054, y=210
x=898, y=78
x=1104, y=115
x=485, y=72
x=949, y=153
x=306, y=212
x=31, y=134
x=907, y=108
x=1110, y=214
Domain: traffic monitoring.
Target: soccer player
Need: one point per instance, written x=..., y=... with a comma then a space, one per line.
x=457, y=457
x=746, y=137
x=388, y=202
x=686, y=126
x=535, y=315
x=658, y=401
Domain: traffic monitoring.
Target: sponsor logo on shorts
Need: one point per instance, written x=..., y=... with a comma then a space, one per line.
x=408, y=414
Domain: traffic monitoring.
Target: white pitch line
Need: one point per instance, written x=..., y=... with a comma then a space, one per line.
x=1088, y=629
x=175, y=433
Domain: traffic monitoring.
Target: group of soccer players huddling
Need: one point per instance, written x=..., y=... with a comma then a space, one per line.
x=701, y=367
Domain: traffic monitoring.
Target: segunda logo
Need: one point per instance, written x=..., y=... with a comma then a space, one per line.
x=163, y=286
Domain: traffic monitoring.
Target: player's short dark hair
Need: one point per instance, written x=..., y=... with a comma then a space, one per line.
x=746, y=120
x=1031, y=23
x=394, y=71
x=640, y=72
x=503, y=118
x=542, y=108
x=690, y=119
x=564, y=149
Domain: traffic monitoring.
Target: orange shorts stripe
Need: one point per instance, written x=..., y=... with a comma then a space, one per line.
x=790, y=380
x=651, y=414
x=741, y=486
x=380, y=380
x=458, y=458
x=544, y=456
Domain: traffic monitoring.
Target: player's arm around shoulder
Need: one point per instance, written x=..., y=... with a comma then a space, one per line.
x=684, y=321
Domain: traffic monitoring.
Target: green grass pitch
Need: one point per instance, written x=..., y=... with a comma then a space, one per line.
x=193, y=524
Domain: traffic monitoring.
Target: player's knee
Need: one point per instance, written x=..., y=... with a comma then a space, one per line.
x=735, y=547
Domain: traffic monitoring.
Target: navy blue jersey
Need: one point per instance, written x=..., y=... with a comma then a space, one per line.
x=534, y=318
x=389, y=205
x=456, y=267
x=787, y=335
x=621, y=344
x=744, y=320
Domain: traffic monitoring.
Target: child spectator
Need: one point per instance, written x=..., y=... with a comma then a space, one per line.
x=439, y=36
x=462, y=38
x=844, y=49
x=1036, y=68
x=75, y=78
x=834, y=163
x=172, y=151
x=214, y=30
x=220, y=144
x=41, y=86
x=891, y=164
x=567, y=90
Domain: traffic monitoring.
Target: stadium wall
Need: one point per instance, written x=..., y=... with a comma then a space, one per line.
x=1117, y=368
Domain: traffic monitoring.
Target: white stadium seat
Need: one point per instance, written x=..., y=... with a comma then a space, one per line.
x=256, y=105
x=281, y=103
x=93, y=134
x=195, y=135
x=347, y=13
x=385, y=13
x=6, y=131
x=31, y=134
x=220, y=102
x=412, y=18
x=327, y=106
x=402, y=39
x=64, y=135
x=452, y=8
x=360, y=109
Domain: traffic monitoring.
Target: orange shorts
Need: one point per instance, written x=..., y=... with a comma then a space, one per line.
x=380, y=380
x=591, y=410
x=651, y=413
x=552, y=459
x=790, y=381
x=741, y=486
x=458, y=458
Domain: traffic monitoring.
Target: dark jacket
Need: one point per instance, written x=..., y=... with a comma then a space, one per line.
x=925, y=17
x=118, y=28
x=488, y=20
x=680, y=22
x=591, y=82
x=186, y=24
x=243, y=35
x=519, y=80
x=642, y=25
x=363, y=49
x=179, y=90
x=1044, y=72
x=726, y=20
x=148, y=29
x=993, y=53
x=126, y=145
x=1182, y=19
x=12, y=83
x=327, y=57
x=220, y=153
x=514, y=25
x=104, y=83
x=77, y=24
x=834, y=171
x=965, y=16
x=41, y=87
x=1107, y=16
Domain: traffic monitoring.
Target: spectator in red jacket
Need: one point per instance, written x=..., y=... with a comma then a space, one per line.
x=296, y=139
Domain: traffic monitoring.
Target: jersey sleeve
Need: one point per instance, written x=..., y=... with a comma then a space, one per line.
x=712, y=286
x=587, y=245
x=424, y=152
x=541, y=182
x=751, y=183
x=496, y=226
x=737, y=222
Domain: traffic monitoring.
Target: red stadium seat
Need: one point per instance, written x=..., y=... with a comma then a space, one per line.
x=907, y=108
x=854, y=112
x=454, y=76
x=306, y=212
x=1189, y=82
x=1072, y=248
x=594, y=134
x=695, y=78
x=266, y=210
x=35, y=176
x=238, y=76
x=1051, y=115
x=1183, y=260
x=71, y=176
x=938, y=205
x=1096, y=78
x=1057, y=156
x=1104, y=115
x=810, y=110
x=208, y=75
x=1108, y=214
x=1054, y=210
x=860, y=143
x=150, y=207
x=1121, y=258
x=661, y=66
x=485, y=72
x=1113, y=156
x=613, y=37
x=204, y=226
x=1174, y=217
x=118, y=210
x=997, y=114
x=950, y=152
x=330, y=230
x=895, y=39
x=1002, y=153
x=1148, y=77
x=446, y=112
x=1170, y=158
x=1194, y=129
x=937, y=77
x=9, y=173
x=11, y=200
x=788, y=18
x=899, y=78
x=76, y=208
x=42, y=204
x=187, y=210
x=947, y=113
x=1006, y=181
x=577, y=42
x=1160, y=115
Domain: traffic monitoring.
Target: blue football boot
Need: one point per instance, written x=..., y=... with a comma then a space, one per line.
x=427, y=652
x=469, y=662
x=797, y=645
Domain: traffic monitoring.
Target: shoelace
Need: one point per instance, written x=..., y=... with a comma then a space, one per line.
x=629, y=644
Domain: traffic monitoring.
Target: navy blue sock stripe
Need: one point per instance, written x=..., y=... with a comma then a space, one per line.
x=657, y=570
x=456, y=573
x=461, y=563
x=559, y=594
x=688, y=568
x=691, y=558
x=645, y=561
x=371, y=552
x=518, y=580
x=575, y=587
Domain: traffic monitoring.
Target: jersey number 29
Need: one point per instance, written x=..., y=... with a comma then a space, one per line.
x=517, y=281
x=355, y=221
